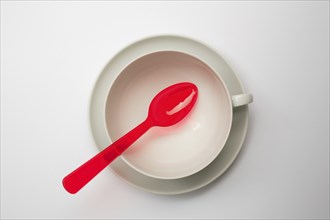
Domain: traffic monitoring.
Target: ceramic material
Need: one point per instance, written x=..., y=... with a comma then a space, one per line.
x=189, y=146
x=182, y=149
x=220, y=88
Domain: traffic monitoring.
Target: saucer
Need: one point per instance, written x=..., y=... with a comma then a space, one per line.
x=100, y=131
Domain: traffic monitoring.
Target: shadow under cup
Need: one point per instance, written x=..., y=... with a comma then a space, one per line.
x=182, y=149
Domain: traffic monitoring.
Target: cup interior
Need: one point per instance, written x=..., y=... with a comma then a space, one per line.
x=182, y=149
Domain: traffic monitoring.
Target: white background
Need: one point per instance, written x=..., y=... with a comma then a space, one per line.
x=52, y=53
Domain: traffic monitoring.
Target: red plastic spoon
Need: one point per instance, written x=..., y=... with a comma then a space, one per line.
x=167, y=108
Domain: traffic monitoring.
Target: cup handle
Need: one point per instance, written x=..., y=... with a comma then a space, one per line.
x=241, y=99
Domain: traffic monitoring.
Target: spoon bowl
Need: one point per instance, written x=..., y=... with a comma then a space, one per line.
x=172, y=104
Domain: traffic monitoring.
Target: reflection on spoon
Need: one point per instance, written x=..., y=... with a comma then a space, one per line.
x=182, y=104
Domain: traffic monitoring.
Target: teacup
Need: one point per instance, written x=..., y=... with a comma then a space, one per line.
x=192, y=144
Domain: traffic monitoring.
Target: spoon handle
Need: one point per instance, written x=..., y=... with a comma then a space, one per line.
x=86, y=172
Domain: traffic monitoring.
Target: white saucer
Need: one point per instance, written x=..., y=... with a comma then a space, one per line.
x=100, y=132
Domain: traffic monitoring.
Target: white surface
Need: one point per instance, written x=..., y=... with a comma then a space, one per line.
x=52, y=53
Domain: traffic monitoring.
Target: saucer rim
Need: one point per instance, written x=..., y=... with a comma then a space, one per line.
x=168, y=186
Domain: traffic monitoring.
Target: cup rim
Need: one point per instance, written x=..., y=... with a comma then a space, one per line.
x=200, y=58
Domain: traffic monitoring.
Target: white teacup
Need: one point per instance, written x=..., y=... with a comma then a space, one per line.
x=187, y=147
